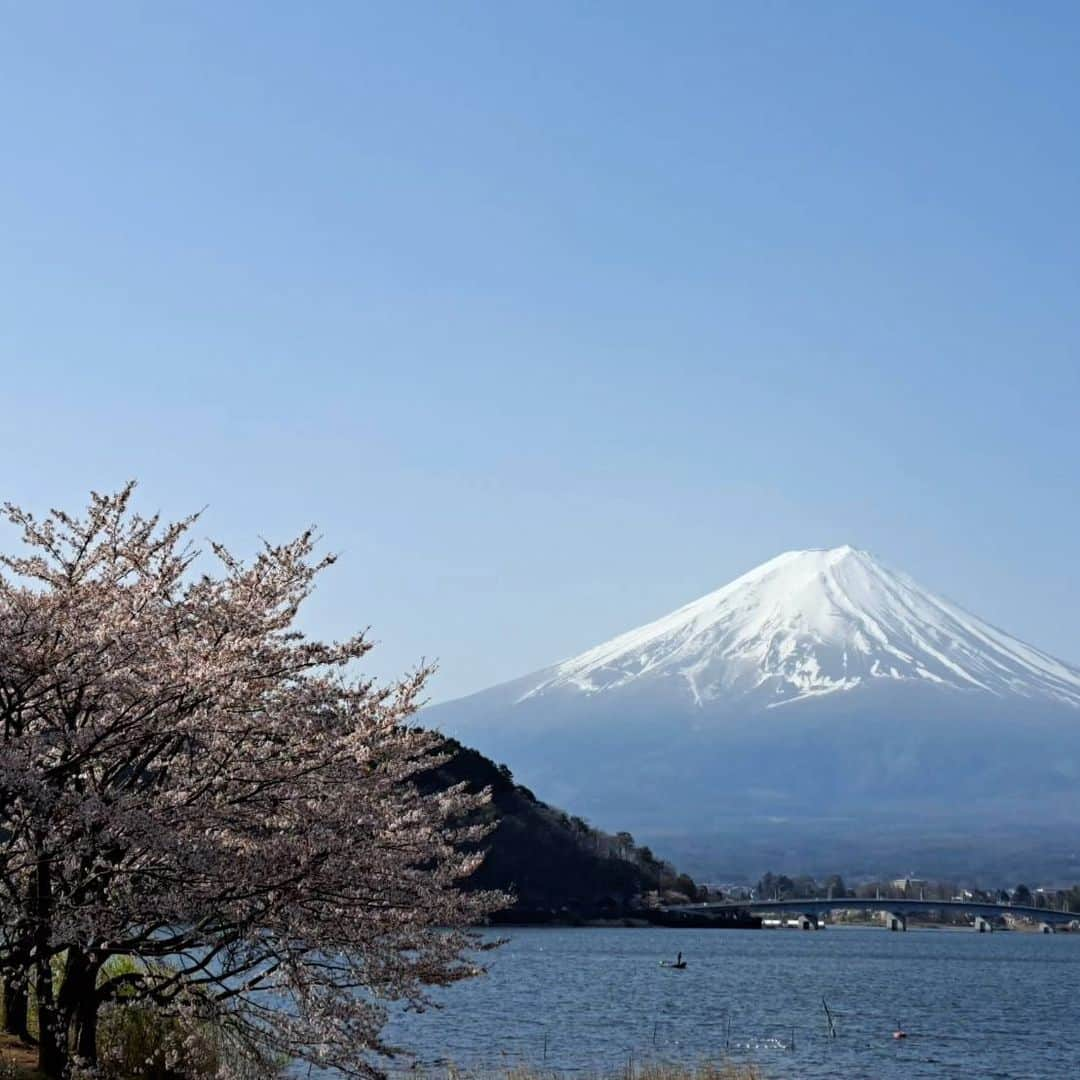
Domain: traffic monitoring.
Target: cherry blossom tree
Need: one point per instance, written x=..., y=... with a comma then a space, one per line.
x=189, y=782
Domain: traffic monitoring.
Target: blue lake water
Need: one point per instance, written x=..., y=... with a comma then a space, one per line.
x=584, y=1000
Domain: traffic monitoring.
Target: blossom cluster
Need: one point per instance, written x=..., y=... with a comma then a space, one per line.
x=191, y=784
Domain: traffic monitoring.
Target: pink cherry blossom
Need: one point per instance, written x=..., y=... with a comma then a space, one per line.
x=188, y=781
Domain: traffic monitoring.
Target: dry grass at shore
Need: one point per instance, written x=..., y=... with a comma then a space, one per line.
x=18, y=1061
x=704, y=1071
x=709, y=1070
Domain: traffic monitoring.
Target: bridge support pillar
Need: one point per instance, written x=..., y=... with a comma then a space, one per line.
x=983, y=925
x=895, y=921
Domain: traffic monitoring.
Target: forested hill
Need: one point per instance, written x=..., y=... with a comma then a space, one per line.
x=557, y=866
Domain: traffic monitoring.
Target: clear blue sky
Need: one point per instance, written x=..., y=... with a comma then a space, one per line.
x=555, y=316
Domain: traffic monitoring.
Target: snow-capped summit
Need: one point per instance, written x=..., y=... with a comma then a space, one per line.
x=819, y=683
x=815, y=622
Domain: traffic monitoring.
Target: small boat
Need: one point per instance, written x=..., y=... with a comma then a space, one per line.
x=678, y=963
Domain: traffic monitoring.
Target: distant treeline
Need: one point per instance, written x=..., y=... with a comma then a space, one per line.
x=781, y=887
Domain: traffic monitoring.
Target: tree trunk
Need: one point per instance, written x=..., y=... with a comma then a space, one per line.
x=17, y=970
x=79, y=1001
x=52, y=1030
x=86, y=1022
x=16, y=1006
x=52, y=1033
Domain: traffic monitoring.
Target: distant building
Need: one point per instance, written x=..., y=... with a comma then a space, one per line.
x=909, y=885
x=732, y=892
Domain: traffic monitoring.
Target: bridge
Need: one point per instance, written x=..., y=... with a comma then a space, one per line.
x=895, y=912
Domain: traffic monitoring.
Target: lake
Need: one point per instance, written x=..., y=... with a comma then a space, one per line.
x=585, y=1000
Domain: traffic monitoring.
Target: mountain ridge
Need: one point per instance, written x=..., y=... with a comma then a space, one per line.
x=820, y=685
x=554, y=864
x=777, y=626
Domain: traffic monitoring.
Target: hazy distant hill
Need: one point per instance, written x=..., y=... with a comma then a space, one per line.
x=820, y=687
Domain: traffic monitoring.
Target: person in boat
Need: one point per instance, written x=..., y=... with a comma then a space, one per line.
x=678, y=960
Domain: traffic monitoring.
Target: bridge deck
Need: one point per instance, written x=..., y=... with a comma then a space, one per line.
x=899, y=907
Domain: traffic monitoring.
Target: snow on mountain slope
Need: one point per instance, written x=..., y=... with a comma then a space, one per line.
x=819, y=686
x=807, y=624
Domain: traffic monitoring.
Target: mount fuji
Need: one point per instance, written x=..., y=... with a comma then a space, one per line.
x=820, y=686
x=809, y=623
